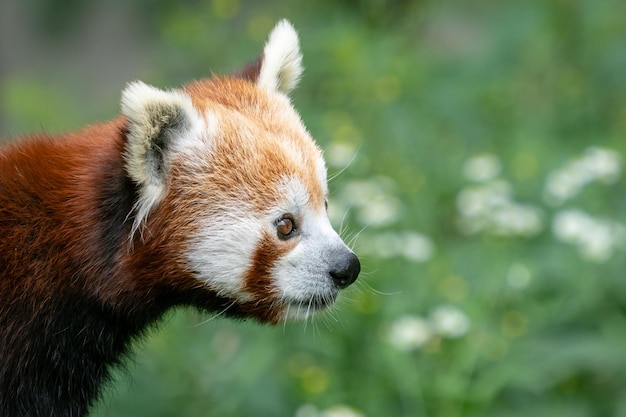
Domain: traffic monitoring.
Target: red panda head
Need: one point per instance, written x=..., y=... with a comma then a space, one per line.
x=228, y=171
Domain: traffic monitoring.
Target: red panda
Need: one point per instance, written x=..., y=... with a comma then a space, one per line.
x=211, y=196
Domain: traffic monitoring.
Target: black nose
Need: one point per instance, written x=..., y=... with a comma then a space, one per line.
x=345, y=268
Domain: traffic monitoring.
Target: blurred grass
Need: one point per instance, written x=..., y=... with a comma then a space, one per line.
x=405, y=94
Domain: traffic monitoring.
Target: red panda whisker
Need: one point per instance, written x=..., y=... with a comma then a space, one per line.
x=342, y=170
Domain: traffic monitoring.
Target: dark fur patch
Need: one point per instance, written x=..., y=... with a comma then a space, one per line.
x=252, y=70
x=258, y=280
x=170, y=122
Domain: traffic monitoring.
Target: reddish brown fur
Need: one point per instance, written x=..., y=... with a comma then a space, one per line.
x=273, y=125
x=251, y=71
x=54, y=186
x=75, y=290
x=73, y=293
x=54, y=194
x=256, y=183
x=258, y=280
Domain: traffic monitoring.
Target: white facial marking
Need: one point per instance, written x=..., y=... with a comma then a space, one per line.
x=302, y=275
x=221, y=251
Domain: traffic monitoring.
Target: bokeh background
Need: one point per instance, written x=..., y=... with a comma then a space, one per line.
x=477, y=153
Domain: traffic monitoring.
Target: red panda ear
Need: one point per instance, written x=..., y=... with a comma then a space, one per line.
x=157, y=119
x=280, y=65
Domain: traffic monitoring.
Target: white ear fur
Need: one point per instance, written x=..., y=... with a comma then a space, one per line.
x=281, y=67
x=156, y=119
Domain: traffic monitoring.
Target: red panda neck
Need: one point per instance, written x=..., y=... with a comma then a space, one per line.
x=63, y=209
x=74, y=292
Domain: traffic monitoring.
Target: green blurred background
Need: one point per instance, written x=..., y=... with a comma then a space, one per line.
x=478, y=147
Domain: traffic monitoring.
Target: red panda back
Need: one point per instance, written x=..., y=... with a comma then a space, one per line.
x=50, y=234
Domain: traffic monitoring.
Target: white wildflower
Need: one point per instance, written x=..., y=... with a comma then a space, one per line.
x=409, y=333
x=341, y=410
x=478, y=200
x=362, y=192
x=599, y=244
x=490, y=208
x=417, y=247
x=596, y=239
x=410, y=245
x=449, y=322
x=570, y=226
x=481, y=168
x=340, y=154
x=596, y=164
x=380, y=212
x=307, y=410
x=373, y=199
x=514, y=219
x=605, y=165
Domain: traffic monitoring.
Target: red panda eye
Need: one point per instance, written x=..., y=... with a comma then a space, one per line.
x=326, y=204
x=285, y=227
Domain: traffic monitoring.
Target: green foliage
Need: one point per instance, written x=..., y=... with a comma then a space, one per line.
x=479, y=147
